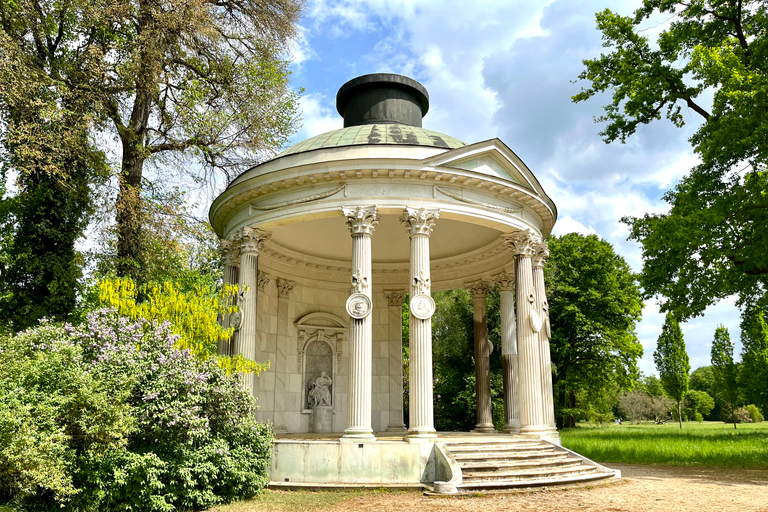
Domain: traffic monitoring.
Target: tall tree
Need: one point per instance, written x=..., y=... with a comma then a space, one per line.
x=199, y=81
x=594, y=305
x=671, y=361
x=46, y=145
x=712, y=242
x=725, y=371
x=754, y=356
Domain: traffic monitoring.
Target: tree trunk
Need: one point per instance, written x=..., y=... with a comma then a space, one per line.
x=680, y=412
x=129, y=208
x=561, y=406
x=571, y=420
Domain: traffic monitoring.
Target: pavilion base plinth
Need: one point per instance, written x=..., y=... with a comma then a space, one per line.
x=397, y=428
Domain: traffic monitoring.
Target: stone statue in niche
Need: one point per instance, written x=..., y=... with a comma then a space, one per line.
x=318, y=384
x=319, y=392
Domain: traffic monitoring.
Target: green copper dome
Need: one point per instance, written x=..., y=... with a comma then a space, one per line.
x=376, y=134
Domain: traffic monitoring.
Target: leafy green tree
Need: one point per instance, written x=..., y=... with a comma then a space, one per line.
x=697, y=405
x=671, y=361
x=200, y=81
x=651, y=385
x=702, y=379
x=46, y=144
x=754, y=356
x=594, y=305
x=725, y=371
x=712, y=242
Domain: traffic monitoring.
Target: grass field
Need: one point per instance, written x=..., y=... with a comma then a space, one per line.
x=706, y=444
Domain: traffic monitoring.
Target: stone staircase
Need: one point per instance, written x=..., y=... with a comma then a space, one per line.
x=507, y=463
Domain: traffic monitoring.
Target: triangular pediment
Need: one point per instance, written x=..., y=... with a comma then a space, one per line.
x=492, y=158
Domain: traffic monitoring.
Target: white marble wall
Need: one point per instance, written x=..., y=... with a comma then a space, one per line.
x=279, y=390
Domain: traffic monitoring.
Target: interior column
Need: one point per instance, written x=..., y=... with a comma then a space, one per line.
x=395, y=300
x=532, y=421
x=230, y=254
x=419, y=223
x=548, y=402
x=361, y=222
x=509, y=368
x=251, y=242
x=483, y=349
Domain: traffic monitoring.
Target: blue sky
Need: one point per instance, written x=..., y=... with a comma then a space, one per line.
x=507, y=70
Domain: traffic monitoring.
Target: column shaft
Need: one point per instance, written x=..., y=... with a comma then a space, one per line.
x=483, y=347
x=548, y=405
x=509, y=364
x=420, y=223
x=395, y=301
x=361, y=222
x=230, y=253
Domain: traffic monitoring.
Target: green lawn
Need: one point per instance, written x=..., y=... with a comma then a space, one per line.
x=707, y=444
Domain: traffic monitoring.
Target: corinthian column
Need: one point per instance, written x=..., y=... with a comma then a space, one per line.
x=506, y=284
x=419, y=223
x=251, y=242
x=395, y=301
x=230, y=254
x=483, y=348
x=361, y=222
x=532, y=420
x=548, y=403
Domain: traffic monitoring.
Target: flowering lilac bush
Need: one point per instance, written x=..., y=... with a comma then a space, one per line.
x=191, y=440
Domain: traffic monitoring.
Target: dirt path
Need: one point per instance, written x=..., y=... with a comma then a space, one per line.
x=643, y=488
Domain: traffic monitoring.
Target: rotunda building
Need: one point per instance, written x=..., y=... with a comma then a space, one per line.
x=331, y=236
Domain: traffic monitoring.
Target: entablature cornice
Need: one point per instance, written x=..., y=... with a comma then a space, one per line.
x=270, y=191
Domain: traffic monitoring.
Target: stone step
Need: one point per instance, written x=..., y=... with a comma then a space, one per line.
x=528, y=474
x=521, y=455
x=506, y=464
x=460, y=448
x=490, y=486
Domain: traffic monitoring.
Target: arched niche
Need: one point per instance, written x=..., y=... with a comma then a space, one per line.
x=320, y=343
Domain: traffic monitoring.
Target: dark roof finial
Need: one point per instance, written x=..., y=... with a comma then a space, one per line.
x=382, y=98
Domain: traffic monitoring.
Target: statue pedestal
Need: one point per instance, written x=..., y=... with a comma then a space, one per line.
x=321, y=420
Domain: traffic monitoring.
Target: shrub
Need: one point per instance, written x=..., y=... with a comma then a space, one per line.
x=740, y=415
x=146, y=426
x=754, y=413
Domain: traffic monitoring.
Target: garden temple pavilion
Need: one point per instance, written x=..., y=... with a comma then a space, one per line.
x=328, y=238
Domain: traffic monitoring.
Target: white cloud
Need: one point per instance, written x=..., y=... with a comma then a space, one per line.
x=317, y=117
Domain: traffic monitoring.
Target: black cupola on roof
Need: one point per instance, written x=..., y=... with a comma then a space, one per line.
x=382, y=98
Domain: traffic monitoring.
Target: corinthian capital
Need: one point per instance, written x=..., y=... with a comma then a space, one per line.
x=505, y=281
x=479, y=289
x=361, y=220
x=542, y=254
x=395, y=298
x=229, y=252
x=252, y=240
x=522, y=243
x=419, y=221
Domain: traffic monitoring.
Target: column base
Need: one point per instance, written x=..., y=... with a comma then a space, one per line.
x=397, y=428
x=358, y=435
x=421, y=435
x=511, y=429
x=541, y=432
x=483, y=428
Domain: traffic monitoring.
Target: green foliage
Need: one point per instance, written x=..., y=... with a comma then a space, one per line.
x=704, y=444
x=651, y=385
x=671, y=361
x=711, y=244
x=754, y=356
x=725, y=371
x=702, y=379
x=594, y=305
x=47, y=423
x=697, y=405
x=754, y=413
x=130, y=423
